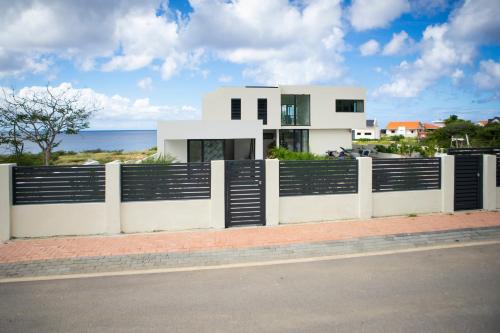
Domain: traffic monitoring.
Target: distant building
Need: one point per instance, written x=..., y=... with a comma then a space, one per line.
x=408, y=129
x=494, y=120
x=482, y=123
x=438, y=123
x=371, y=131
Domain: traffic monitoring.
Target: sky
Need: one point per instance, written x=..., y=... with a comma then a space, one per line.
x=143, y=61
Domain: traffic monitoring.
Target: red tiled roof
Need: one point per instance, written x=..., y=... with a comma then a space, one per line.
x=407, y=124
x=430, y=126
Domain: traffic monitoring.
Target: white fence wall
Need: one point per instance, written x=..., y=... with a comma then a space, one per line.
x=114, y=216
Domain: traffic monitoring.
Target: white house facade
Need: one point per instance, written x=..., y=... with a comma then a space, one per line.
x=244, y=122
x=371, y=131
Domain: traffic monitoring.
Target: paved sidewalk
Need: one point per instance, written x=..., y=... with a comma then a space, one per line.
x=28, y=250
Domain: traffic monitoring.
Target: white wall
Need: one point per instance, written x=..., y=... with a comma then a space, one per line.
x=372, y=133
x=172, y=135
x=498, y=197
x=217, y=105
x=406, y=202
x=58, y=219
x=311, y=208
x=322, y=140
x=146, y=216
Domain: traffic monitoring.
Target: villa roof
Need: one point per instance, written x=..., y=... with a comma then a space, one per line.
x=428, y=126
x=393, y=125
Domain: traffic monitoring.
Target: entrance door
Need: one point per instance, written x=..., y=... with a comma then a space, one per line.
x=468, y=182
x=245, y=193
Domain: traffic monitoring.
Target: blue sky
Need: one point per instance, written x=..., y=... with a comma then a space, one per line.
x=142, y=61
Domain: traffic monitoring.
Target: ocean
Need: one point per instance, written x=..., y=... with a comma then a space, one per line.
x=126, y=140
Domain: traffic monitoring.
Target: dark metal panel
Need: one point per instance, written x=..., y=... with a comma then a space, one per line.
x=318, y=177
x=468, y=182
x=177, y=181
x=406, y=174
x=245, y=200
x=58, y=184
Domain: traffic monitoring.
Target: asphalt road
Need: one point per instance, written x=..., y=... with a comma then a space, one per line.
x=448, y=290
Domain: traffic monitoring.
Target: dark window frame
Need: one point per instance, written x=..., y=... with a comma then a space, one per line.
x=235, y=108
x=262, y=110
x=202, y=148
x=294, y=135
x=341, y=107
x=295, y=116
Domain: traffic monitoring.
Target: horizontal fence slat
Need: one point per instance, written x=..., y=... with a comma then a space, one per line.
x=176, y=181
x=318, y=177
x=406, y=174
x=58, y=184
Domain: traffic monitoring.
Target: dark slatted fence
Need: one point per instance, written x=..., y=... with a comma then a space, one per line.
x=406, y=174
x=58, y=184
x=479, y=151
x=177, y=181
x=318, y=177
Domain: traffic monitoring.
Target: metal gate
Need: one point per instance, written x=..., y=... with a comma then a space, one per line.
x=468, y=182
x=245, y=193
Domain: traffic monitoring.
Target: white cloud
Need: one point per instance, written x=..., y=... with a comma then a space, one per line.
x=457, y=76
x=225, y=78
x=488, y=76
x=145, y=83
x=369, y=14
x=118, y=112
x=439, y=57
x=371, y=47
x=445, y=47
x=276, y=40
x=128, y=35
x=400, y=43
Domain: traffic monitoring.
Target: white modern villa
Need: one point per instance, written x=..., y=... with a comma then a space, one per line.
x=244, y=122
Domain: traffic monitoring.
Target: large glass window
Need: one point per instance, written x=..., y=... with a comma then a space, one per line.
x=349, y=105
x=205, y=150
x=295, y=110
x=295, y=140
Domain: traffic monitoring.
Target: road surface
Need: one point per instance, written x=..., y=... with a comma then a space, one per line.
x=447, y=290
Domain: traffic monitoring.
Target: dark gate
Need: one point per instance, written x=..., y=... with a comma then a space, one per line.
x=468, y=182
x=245, y=193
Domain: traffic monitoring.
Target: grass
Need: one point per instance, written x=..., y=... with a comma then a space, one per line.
x=73, y=158
x=412, y=215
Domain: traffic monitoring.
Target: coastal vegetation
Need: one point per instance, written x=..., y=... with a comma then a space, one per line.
x=74, y=158
x=39, y=116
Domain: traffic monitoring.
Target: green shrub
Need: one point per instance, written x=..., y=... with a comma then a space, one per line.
x=285, y=154
x=162, y=159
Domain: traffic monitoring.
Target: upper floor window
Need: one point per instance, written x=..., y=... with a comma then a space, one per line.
x=349, y=105
x=235, y=108
x=295, y=110
x=262, y=110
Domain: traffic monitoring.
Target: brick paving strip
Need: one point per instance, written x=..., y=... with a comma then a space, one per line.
x=72, y=255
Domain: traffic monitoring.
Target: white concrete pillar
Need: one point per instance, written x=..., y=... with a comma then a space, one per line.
x=5, y=200
x=489, y=182
x=113, y=198
x=218, y=193
x=447, y=183
x=272, y=192
x=365, y=208
x=259, y=147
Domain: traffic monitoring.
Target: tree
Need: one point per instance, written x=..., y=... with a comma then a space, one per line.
x=10, y=135
x=40, y=115
x=454, y=127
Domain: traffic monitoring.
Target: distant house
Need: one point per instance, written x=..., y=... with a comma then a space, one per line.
x=438, y=123
x=371, y=131
x=494, y=120
x=428, y=127
x=408, y=129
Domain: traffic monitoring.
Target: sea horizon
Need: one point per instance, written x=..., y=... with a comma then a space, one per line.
x=125, y=140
